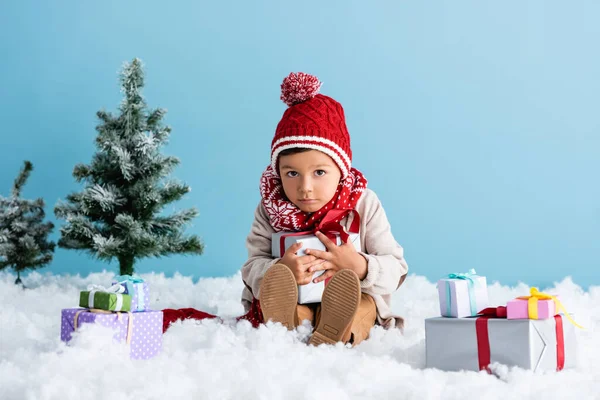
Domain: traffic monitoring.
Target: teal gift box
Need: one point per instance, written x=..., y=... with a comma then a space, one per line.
x=138, y=289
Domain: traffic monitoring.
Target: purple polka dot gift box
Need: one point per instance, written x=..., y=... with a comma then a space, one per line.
x=142, y=331
x=137, y=288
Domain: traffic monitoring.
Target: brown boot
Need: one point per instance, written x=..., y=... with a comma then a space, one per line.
x=338, y=308
x=279, y=296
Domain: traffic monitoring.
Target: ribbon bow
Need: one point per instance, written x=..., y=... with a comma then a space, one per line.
x=469, y=277
x=493, y=312
x=330, y=227
x=116, y=288
x=464, y=275
x=129, y=278
x=532, y=304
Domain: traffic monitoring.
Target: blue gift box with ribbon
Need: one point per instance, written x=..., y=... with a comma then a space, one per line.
x=138, y=289
x=462, y=294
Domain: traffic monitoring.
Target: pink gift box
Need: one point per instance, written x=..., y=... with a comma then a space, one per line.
x=518, y=309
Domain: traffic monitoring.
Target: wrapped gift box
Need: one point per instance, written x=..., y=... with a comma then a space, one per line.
x=138, y=289
x=519, y=309
x=105, y=300
x=537, y=305
x=145, y=330
x=455, y=344
x=462, y=297
x=280, y=241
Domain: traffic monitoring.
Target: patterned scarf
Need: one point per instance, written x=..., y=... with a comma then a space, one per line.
x=285, y=216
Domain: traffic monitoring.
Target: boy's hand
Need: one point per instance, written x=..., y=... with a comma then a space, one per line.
x=340, y=257
x=299, y=265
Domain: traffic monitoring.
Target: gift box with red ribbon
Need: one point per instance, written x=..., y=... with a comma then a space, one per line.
x=455, y=344
x=330, y=226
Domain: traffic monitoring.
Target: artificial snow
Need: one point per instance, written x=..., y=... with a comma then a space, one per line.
x=208, y=359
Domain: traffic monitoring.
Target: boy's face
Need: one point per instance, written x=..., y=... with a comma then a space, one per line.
x=310, y=179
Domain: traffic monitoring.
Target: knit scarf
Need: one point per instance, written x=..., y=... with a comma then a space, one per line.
x=286, y=216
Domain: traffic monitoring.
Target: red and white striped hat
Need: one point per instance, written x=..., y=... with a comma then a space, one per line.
x=312, y=121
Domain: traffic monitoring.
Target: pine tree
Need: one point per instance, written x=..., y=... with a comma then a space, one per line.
x=118, y=214
x=23, y=234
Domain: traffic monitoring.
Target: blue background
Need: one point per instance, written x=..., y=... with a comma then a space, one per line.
x=476, y=122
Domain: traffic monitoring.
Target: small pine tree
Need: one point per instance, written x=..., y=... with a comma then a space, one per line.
x=23, y=234
x=117, y=215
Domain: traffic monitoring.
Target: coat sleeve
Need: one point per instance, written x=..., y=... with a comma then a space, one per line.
x=386, y=266
x=258, y=244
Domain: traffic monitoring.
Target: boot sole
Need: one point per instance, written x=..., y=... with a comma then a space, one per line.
x=279, y=296
x=338, y=308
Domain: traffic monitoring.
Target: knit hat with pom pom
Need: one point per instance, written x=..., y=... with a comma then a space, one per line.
x=312, y=121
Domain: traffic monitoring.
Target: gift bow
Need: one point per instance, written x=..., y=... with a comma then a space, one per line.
x=329, y=227
x=464, y=275
x=468, y=276
x=129, y=278
x=532, y=304
x=116, y=288
x=493, y=312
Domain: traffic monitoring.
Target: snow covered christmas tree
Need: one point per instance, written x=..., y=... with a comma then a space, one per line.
x=118, y=214
x=23, y=234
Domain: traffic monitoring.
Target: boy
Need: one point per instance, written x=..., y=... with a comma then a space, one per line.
x=310, y=174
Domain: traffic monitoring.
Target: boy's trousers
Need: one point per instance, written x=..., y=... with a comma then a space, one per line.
x=359, y=328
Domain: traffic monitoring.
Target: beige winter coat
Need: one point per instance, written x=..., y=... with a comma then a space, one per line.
x=386, y=265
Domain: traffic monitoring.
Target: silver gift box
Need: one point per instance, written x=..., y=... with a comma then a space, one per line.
x=451, y=343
